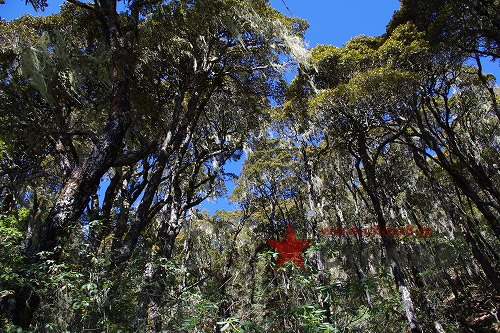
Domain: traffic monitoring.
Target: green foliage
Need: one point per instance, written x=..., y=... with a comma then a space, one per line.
x=392, y=130
x=12, y=228
x=453, y=25
x=234, y=324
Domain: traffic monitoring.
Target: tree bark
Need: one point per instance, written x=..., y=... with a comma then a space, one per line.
x=84, y=180
x=452, y=214
x=370, y=184
x=457, y=176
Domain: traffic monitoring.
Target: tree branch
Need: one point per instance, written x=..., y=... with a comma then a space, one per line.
x=82, y=4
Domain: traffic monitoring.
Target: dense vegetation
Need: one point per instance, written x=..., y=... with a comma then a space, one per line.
x=116, y=126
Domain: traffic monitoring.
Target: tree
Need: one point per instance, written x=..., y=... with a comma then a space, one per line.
x=198, y=83
x=384, y=151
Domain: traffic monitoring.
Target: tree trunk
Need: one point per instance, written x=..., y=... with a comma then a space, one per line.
x=370, y=184
x=458, y=178
x=315, y=211
x=452, y=214
x=84, y=180
x=149, y=316
x=485, y=264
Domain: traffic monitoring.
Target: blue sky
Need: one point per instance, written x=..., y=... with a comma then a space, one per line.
x=331, y=22
x=336, y=21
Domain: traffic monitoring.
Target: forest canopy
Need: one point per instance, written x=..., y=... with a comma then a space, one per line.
x=118, y=120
